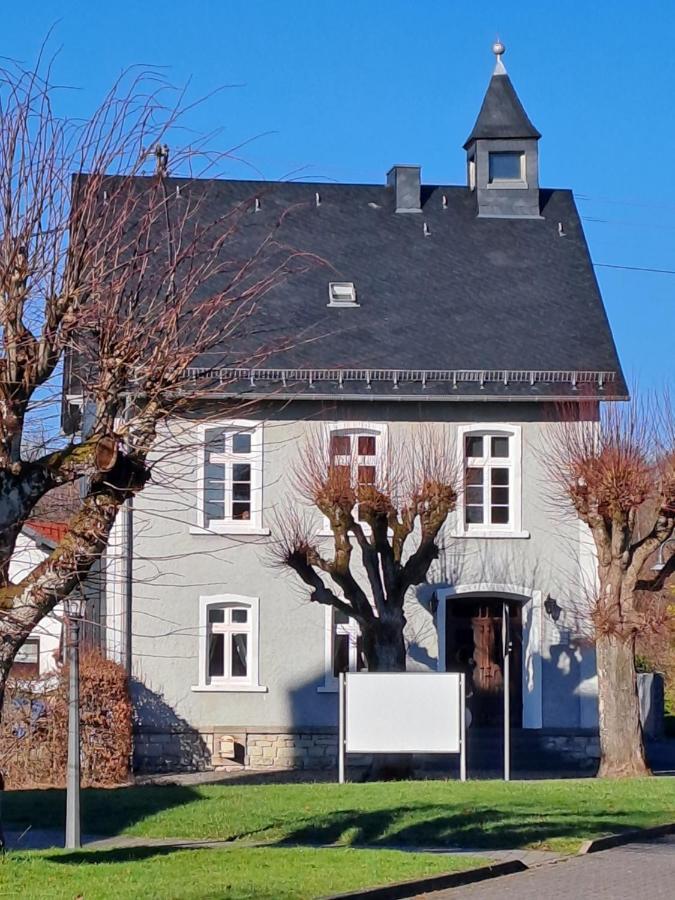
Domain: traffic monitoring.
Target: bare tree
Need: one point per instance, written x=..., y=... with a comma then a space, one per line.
x=120, y=275
x=616, y=466
x=392, y=514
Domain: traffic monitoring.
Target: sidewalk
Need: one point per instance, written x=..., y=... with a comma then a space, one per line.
x=39, y=839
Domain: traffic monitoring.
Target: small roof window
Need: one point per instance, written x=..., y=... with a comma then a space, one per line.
x=506, y=165
x=342, y=293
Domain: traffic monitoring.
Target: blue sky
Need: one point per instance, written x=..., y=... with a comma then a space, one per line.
x=342, y=90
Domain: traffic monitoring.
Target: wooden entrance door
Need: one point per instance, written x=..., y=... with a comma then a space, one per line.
x=488, y=680
x=474, y=646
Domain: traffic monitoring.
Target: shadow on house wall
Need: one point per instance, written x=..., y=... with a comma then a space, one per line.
x=163, y=741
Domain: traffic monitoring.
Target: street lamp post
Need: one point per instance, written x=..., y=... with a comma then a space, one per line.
x=74, y=612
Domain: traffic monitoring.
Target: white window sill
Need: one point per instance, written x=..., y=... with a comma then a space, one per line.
x=327, y=689
x=230, y=688
x=487, y=533
x=230, y=528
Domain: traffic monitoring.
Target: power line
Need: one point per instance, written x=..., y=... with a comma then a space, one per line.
x=634, y=268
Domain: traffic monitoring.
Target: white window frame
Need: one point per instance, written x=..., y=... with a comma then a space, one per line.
x=514, y=462
x=249, y=684
x=228, y=525
x=350, y=628
x=378, y=430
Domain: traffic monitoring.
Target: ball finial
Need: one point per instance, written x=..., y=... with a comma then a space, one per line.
x=498, y=49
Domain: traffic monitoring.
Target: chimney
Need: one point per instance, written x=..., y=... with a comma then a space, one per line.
x=405, y=180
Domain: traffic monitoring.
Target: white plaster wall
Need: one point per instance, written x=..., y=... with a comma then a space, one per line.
x=26, y=557
x=173, y=567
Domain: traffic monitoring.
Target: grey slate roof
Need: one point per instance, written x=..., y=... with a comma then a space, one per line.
x=510, y=304
x=473, y=294
x=502, y=114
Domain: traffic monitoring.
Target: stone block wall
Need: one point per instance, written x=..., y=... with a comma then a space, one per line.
x=228, y=749
x=223, y=748
x=301, y=750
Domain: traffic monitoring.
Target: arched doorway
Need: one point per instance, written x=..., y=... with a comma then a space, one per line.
x=469, y=621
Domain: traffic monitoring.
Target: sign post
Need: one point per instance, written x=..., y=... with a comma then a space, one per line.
x=341, y=729
x=462, y=726
x=506, y=655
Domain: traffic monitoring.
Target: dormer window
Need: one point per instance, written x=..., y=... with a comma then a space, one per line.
x=342, y=293
x=506, y=165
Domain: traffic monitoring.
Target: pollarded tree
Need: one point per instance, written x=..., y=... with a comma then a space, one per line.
x=616, y=467
x=385, y=522
x=112, y=270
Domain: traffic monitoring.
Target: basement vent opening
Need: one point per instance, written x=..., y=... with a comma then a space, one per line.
x=342, y=293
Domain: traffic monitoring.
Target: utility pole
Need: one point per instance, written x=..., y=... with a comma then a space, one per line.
x=73, y=838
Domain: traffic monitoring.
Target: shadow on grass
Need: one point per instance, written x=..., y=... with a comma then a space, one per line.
x=114, y=855
x=104, y=811
x=478, y=827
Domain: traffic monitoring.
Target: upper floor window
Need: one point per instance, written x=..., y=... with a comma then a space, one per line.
x=228, y=652
x=359, y=448
x=506, y=166
x=231, y=477
x=490, y=503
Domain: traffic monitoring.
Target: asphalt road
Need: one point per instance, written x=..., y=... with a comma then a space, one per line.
x=644, y=870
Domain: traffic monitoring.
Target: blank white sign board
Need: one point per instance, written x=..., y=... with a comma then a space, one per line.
x=402, y=712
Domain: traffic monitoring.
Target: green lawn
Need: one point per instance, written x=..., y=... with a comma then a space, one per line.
x=482, y=814
x=236, y=873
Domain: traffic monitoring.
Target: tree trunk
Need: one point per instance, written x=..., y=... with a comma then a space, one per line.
x=621, y=743
x=384, y=646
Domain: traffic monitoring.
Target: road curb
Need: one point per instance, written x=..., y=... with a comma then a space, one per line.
x=433, y=883
x=626, y=837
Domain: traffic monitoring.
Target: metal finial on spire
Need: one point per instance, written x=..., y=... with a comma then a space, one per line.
x=499, y=49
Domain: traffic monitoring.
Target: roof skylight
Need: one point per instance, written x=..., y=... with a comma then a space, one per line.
x=342, y=293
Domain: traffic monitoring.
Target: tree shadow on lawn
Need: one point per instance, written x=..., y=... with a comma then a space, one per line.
x=478, y=827
x=115, y=855
x=105, y=811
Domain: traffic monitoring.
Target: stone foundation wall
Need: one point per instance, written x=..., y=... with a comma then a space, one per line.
x=233, y=748
x=237, y=748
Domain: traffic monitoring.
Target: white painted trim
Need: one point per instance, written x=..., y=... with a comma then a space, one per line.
x=252, y=682
x=113, y=568
x=532, y=694
x=514, y=463
x=330, y=682
x=229, y=688
x=230, y=528
x=226, y=526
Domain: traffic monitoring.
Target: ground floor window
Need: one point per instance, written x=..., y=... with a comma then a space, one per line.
x=228, y=650
x=344, y=647
x=229, y=642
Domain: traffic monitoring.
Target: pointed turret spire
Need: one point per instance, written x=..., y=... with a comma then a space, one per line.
x=502, y=153
x=502, y=115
